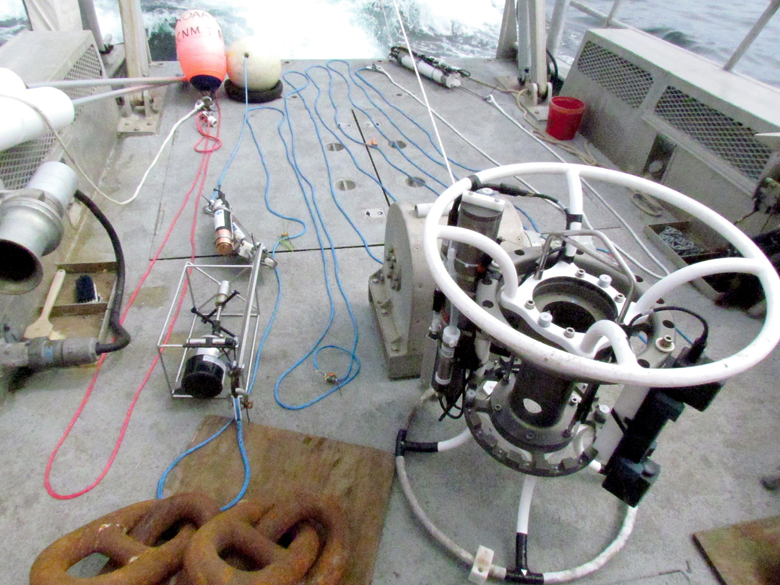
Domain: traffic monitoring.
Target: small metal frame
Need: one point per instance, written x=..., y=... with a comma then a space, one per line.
x=199, y=284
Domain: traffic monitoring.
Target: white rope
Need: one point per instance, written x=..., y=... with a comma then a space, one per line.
x=189, y=114
x=422, y=89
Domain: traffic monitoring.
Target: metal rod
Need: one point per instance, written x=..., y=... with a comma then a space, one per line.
x=110, y=94
x=568, y=237
x=752, y=34
x=250, y=303
x=600, y=15
x=63, y=84
x=615, y=6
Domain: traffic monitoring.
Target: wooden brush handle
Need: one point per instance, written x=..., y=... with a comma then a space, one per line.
x=54, y=291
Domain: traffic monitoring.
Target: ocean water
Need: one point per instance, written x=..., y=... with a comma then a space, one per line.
x=321, y=29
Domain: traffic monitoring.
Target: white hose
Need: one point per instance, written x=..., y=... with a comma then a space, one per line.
x=524, y=509
x=181, y=121
x=692, y=272
x=499, y=255
x=496, y=571
x=592, y=566
x=455, y=441
x=617, y=340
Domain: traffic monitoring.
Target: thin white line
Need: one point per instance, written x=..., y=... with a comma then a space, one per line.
x=422, y=88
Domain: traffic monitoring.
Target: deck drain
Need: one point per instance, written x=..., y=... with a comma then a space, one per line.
x=345, y=185
x=415, y=182
x=334, y=146
x=374, y=213
x=399, y=144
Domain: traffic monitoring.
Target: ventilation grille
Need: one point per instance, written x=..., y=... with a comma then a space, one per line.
x=87, y=67
x=18, y=164
x=719, y=133
x=624, y=79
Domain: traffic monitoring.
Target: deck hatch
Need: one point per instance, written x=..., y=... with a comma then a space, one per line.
x=719, y=133
x=622, y=78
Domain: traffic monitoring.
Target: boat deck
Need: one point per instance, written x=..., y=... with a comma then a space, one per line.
x=712, y=461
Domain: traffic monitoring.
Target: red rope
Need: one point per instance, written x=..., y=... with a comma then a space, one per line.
x=200, y=176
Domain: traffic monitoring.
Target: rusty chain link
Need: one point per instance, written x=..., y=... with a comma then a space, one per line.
x=317, y=555
x=128, y=537
x=314, y=529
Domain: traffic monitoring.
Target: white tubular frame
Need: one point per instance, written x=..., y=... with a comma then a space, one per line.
x=578, y=367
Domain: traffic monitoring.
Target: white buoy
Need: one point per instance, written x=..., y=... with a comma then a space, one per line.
x=263, y=65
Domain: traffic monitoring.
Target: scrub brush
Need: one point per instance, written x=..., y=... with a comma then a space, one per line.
x=86, y=291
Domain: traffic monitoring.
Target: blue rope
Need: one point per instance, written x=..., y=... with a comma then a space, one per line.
x=385, y=136
x=529, y=218
x=320, y=229
x=335, y=117
x=190, y=451
x=435, y=160
x=405, y=115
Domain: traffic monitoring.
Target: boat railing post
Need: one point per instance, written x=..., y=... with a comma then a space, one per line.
x=507, y=38
x=752, y=34
x=90, y=20
x=523, y=40
x=557, y=24
x=538, y=42
x=136, y=46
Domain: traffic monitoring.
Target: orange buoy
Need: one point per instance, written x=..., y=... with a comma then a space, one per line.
x=201, y=49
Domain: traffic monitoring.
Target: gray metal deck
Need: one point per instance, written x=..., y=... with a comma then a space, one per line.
x=711, y=461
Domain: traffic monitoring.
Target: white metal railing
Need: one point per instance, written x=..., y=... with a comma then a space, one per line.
x=508, y=39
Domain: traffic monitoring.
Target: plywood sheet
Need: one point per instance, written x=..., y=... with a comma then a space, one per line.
x=744, y=554
x=283, y=461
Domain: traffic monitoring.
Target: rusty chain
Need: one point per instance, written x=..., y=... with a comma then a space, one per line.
x=318, y=553
x=314, y=531
x=128, y=537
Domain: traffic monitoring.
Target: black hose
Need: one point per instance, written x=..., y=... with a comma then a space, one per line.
x=122, y=336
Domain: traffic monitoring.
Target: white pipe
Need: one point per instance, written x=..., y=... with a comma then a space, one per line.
x=575, y=205
x=499, y=255
x=456, y=441
x=524, y=509
x=31, y=113
x=617, y=340
x=692, y=272
x=594, y=565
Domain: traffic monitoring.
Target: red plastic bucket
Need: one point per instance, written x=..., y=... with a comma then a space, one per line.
x=564, y=117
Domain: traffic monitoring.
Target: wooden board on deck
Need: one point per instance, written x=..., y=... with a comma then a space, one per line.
x=283, y=461
x=744, y=554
